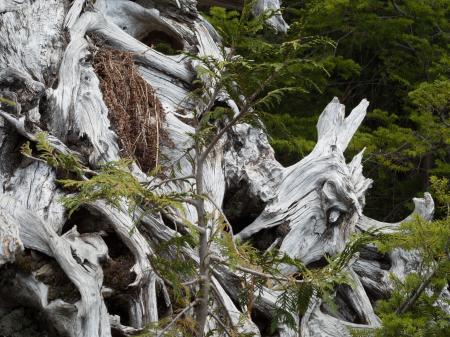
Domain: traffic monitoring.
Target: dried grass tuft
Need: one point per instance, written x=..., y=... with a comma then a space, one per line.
x=135, y=112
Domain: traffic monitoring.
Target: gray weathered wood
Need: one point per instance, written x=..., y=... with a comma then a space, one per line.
x=312, y=206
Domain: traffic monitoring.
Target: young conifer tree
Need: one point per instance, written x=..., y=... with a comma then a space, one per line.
x=246, y=83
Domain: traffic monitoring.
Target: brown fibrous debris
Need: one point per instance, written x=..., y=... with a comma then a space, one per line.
x=117, y=273
x=136, y=114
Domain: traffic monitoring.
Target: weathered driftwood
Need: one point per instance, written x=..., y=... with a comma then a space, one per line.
x=308, y=210
x=321, y=197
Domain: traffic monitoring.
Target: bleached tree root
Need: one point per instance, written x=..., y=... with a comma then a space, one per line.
x=308, y=210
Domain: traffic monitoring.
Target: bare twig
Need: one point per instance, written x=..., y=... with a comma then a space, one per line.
x=191, y=282
x=255, y=272
x=242, y=112
x=414, y=296
x=177, y=317
x=222, y=324
x=179, y=223
x=399, y=10
x=166, y=181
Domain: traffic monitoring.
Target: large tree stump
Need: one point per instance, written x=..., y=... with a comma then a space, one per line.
x=308, y=210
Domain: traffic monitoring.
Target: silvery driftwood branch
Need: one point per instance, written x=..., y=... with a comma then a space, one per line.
x=307, y=210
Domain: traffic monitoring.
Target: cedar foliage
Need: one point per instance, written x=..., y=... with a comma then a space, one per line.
x=296, y=61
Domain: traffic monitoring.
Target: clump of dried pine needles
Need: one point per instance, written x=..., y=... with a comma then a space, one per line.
x=135, y=112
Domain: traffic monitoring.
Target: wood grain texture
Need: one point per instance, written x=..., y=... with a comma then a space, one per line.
x=312, y=206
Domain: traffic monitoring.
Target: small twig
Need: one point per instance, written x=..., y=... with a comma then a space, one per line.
x=191, y=282
x=398, y=9
x=255, y=272
x=177, y=317
x=166, y=181
x=409, y=302
x=243, y=111
x=222, y=302
x=157, y=129
x=272, y=246
x=179, y=223
x=175, y=221
x=221, y=213
x=34, y=158
x=230, y=228
x=222, y=324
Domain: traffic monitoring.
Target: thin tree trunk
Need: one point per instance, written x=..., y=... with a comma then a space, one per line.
x=203, y=251
x=103, y=253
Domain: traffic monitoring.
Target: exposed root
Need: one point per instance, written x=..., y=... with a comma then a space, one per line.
x=134, y=110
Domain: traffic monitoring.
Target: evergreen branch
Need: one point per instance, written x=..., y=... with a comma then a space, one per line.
x=86, y=171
